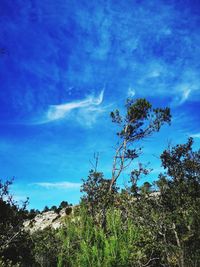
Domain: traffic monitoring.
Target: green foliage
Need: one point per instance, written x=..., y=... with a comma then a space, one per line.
x=32, y=213
x=46, y=209
x=87, y=244
x=46, y=247
x=140, y=121
x=172, y=214
x=98, y=197
x=15, y=243
x=178, y=206
x=7, y=263
x=64, y=204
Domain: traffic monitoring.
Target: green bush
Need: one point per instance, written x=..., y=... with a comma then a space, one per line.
x=84, y=243
x=46, y=247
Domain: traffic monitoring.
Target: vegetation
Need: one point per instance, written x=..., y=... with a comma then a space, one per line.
x=15, y=243
x=156, y=224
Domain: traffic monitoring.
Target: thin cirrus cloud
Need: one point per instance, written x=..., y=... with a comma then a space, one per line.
x=188, y=88
x=183, y=93
x=87, y=107
x=186, y=94
x=58, y=185
x=131, y=92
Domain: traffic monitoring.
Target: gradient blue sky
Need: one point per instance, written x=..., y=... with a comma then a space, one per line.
x=65, y=64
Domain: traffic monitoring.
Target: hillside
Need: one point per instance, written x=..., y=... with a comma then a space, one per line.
x=51, y=218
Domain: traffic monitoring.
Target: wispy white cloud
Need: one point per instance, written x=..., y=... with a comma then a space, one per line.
x=182, y=94
x=89, y=115
x=188, y=88
x=56, y=112
x=197, y=135
x=58, y=185
x=131, y=92
x=185, y=95
x=86, y=106
x=157, y=78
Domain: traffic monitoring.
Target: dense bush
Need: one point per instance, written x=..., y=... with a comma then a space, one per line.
x=15, y=243
x=46, y=247
x=84, y=243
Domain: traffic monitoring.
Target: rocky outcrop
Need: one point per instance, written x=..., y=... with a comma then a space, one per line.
x=47, y=219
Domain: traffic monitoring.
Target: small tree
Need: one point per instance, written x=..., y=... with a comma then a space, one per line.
x=97, y=196
x=15, y=244
x=46, y=209
x=63, y=204
x=139, y=122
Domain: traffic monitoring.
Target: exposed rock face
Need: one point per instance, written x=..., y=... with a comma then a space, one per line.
x=46, y=219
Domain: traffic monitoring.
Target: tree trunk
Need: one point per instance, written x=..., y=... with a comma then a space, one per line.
x=181, y=253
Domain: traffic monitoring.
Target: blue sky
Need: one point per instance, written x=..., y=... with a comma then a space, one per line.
x=66, y=64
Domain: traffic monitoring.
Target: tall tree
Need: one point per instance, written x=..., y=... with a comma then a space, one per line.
x=140, y=121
